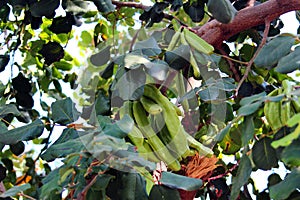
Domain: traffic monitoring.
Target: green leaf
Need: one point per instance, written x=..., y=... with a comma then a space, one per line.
x=102, y=57
x=283, y=189
x=223, y=132
x=9, y=109
x=177, y=181
x=273, y=51
x=248, y=130
x=130, y=86
x=249, y=109
x=291, y=154
x=15, y=190
x=252, y=99
x=289, y=63
x=63, y=65
x=222, y=10
x=44, y=8
x=104, y=6
x=264, y=155
x=50, y=184
x=64, y=111
x=161, y=192
x=242, y=176
x=158, y=69
x=24, y=133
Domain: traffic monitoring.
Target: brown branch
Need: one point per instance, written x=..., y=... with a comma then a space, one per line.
x=215, y=33
x=231, y=65
x=120, y=4
x=263, y=41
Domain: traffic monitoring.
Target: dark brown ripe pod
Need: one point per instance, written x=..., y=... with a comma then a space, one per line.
x=18, y=148
x=21, y=83
x=2, y=172
x=25, y=100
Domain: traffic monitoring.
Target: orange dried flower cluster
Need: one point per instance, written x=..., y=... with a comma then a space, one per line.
x=201, y=167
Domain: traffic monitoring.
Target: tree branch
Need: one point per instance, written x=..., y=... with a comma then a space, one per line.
x=215, y=32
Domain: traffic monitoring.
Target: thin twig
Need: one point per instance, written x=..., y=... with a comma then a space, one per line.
x=231, y=65
x=134, y=39
x=224, y=174
x=248, y=68
x=229, y=58
x=26, y=196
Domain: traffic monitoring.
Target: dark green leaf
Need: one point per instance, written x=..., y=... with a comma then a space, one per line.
x=283, y=189
x=18, y=148
x=289, y=63
x=209, y=94
x=148, y=47
x=102, y=181
x=4, y=12
x=195, y=10
x=127, y=186
x=62, y=149
x=264, y=155
x=104, y=6
x=242, y=176
x=161, y=192
x=180, y=182
x=102, y=57
x=108, y=71
x=64, y=111
x=24, y=133
x=63, y=65
x=273, y=51
x=66, y=135
x=291, y=154
x=248, y=130
x=44, y=8
x=9, y=109
x=102, y=104
x=176, y=4
x=178, y=58
x=4, y=60
x=52, y=52
x=62, y=24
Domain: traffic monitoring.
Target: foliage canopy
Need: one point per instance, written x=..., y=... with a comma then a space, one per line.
x=151, y=104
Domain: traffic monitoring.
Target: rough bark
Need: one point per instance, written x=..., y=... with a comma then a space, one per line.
x=215, y=33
